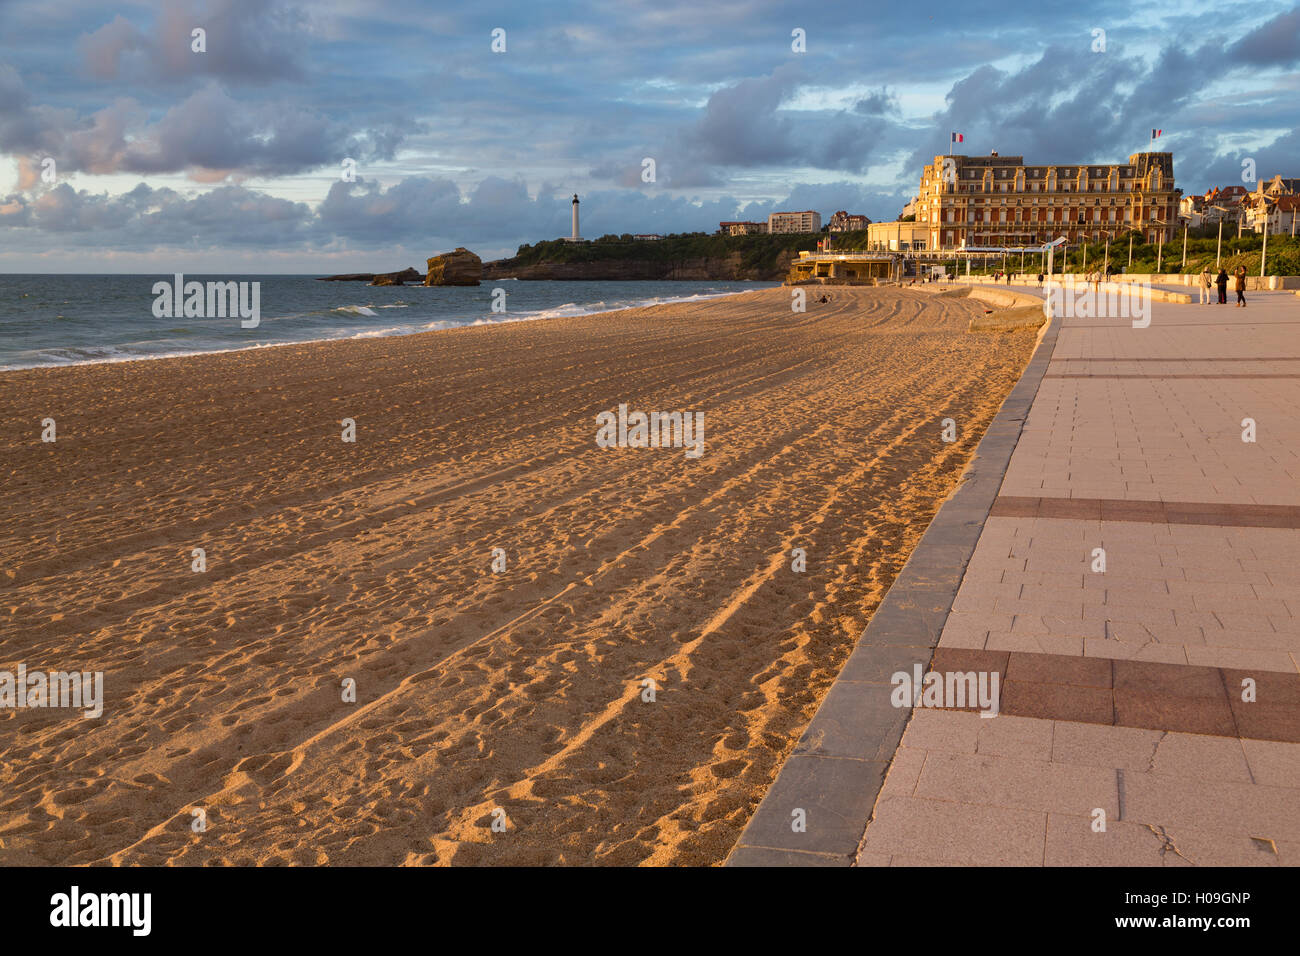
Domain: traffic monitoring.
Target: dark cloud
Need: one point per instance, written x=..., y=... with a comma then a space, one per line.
x=146, y=218
x=744, y=127
x=206, y=131
x=247, y=41
x=1069, y=105
x=877, y=103
x=1275, y=43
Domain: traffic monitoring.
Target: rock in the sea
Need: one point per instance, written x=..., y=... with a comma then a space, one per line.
x=461, y=267
x=396, y=278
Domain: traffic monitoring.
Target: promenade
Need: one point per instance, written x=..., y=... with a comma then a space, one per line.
x=1133, y=584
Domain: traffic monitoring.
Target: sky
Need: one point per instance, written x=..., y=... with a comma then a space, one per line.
x=353, y=136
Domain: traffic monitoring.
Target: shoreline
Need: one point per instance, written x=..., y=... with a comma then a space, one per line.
x=478, y=323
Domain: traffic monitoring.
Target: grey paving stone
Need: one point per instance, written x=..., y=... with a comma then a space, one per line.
x=763, y=856
x=855, y=720
x=876, y=663
x=836, y=796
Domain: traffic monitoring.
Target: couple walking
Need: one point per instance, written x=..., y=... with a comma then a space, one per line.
x=1221, y=280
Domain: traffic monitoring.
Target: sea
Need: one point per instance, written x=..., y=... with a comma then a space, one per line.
x=51, y=320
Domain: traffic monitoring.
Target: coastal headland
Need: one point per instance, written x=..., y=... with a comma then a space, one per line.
x=485, y=630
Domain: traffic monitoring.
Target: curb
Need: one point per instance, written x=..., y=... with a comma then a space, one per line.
x=838, y=766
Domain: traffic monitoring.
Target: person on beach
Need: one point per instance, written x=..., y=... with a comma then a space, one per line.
x=1221, y=280
x=1206, y=282
x=1240, y=287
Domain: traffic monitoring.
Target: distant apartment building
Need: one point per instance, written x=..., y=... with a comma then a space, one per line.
x=1261, y=206
x=742, y=228
x=647, y=235
x=1277, y=187
x=898, y=236
x=910, y=208
x=842, y=221
x=1191, y=210
x=794, y=222
x=1282, y=216
x=1000, y=201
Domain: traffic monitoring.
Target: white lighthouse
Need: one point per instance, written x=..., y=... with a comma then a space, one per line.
x=576, y=236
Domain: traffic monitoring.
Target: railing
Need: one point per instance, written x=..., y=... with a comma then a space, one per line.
x=845, y=256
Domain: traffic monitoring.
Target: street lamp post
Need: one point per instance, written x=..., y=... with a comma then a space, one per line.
x=1184, y=265
x=1263, y=253
x=1130, y=252
x=1218, y=251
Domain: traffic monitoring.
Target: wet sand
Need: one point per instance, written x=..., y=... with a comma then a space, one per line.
x=522, y=689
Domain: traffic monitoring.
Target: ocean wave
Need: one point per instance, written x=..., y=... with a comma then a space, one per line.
x=325, y=326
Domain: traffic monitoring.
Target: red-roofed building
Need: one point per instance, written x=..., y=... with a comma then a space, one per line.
x=1282, y=216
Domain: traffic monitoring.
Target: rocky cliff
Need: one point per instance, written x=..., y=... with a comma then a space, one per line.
x=460, y=267
x=396, y=278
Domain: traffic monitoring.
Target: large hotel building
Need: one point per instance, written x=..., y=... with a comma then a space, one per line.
x=999, y=201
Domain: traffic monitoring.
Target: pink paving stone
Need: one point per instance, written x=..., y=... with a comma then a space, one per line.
x=1197, y=756
x=873, y=859
x=957, y=833
x=1098, y=745
x=904, y=771
x=1018, y=784
x=1028, y=738
x=1238, y=657
x=1071, y=841
x=1132, y=650
x=1034, y=643
x=947, y=730
x=1244, y=809
x=1273, y=763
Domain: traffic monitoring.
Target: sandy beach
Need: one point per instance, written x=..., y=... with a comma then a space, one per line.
x=477, y=689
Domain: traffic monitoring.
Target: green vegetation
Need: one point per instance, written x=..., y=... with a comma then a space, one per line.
x=756, y=252
x=1283, y=255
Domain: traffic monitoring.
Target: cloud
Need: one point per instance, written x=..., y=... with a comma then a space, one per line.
x=416, y=212
x=206, y=133
x=744, y=126
x=1275, y=43
x=877, y=103
x=247, y=41
x=77, y=222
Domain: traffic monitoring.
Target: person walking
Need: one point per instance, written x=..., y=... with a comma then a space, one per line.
x=1221, y=280
x=1040, y=280
x=1205, y=283
x=1240, y=287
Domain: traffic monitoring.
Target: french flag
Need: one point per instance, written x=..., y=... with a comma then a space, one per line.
x=958, y=138
x=1155, y=133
